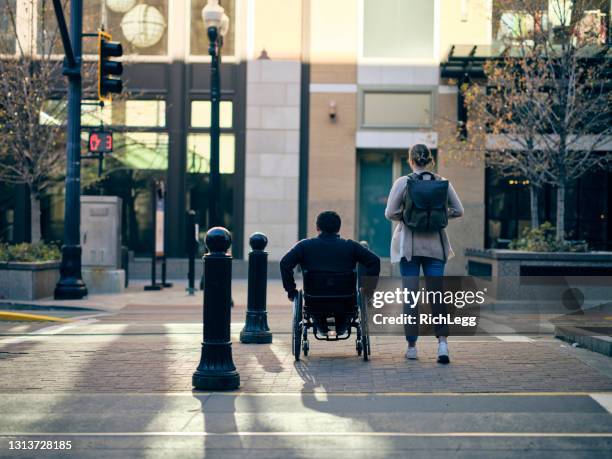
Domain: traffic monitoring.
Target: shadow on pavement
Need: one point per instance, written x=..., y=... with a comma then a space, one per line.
x=108, y=395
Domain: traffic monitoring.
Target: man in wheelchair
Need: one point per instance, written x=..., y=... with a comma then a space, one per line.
x=327, y=253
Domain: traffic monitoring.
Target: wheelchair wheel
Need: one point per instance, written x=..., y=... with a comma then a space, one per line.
x=296, y=330
x=358, y=341
x=363, y=322
x=366, y=348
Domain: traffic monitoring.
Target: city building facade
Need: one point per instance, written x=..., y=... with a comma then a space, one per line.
x=320, y=102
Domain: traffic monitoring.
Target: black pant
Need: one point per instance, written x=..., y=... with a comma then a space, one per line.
x=433, y=270
x=341, y=321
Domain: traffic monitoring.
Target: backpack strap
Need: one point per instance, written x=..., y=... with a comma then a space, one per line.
x=442, y=242
x=431, y=174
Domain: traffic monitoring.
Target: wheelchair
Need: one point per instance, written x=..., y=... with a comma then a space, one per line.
x=324, y=295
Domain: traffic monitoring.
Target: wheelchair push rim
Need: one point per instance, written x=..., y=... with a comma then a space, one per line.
x=363, y=323
x=297, y=328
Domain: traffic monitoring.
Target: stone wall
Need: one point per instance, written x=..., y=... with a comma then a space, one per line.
x=28, y=281
x=272, y=153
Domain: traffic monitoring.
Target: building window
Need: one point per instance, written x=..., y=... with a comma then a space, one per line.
x=140, y=156
x=198, y=161
x=142, y=28
x=397, y=109
x=507, y=202
x=7, y=32
x=54, y=113
x=200, y=114
x=138, y=159
x=516, y=26
x=198, y=38
x=7, y=213
x=146, y=113
x=93, y=115
x=198, y=153
x=198, y=178
x=587, y=204
x=132, y=113
x=398, y=29
x=141, y=150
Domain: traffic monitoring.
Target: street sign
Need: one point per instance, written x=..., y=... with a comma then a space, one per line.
x=100, y=142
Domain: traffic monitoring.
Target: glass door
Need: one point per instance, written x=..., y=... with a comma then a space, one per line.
x=377, y=170
x=375, y=180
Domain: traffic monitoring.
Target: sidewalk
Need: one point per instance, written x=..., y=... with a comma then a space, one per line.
x=116, y=383
x=135, y=293
x=150, y=342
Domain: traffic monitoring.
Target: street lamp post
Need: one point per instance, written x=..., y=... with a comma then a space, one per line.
x=217, y=25
x=71, y=285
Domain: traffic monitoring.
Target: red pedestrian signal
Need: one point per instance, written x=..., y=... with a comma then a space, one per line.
x=100, y=142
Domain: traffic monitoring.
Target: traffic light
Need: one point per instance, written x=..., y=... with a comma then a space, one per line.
x=108, y=70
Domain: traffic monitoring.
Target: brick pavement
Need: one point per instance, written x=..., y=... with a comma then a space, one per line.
x=162, y=360
x=130, y=372
x=150, y=342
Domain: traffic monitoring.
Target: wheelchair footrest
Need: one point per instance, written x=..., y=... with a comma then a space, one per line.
x=331, y=336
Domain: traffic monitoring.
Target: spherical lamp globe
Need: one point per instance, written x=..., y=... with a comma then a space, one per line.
x=143, y=26
x=120, y=6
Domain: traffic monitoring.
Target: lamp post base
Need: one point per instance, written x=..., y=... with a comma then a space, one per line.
x=256, y=329
x=216, y=380
x=216, y=370
x=71, y=285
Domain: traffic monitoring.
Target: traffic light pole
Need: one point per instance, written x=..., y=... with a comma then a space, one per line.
x=71, y=285
x=214, y=194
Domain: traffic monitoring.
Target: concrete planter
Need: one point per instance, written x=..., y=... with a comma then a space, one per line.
x=531, y=276
x=28, y=280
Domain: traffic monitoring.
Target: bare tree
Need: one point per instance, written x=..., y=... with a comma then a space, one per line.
x=544, y=113
x=30, y=151
x=32, y=102
x=570, y=71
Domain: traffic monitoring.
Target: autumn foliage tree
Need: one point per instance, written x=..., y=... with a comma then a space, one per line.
x=543, y=112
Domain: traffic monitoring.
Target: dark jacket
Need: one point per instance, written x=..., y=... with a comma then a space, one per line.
x=327, y=253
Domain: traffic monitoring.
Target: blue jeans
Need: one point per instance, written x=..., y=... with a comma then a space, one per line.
x=410, y=271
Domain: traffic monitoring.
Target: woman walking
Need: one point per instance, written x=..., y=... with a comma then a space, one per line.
x=415, y=247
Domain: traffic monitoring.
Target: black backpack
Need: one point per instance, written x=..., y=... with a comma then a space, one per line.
x=425, y=203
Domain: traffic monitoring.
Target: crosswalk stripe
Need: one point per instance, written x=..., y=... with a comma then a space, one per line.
x=514, y=339
x=604, y=400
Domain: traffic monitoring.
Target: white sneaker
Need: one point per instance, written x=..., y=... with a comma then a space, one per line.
x=443, y=352
x=411, y=353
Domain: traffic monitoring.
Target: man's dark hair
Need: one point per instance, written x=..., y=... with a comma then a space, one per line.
x=329, y=222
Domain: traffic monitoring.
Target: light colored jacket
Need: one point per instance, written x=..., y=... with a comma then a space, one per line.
x=405, y=242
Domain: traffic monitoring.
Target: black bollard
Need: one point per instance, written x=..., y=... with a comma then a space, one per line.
x=192, y=242
x=125, y=264
x=256, y=328
x=216, y=370
x=155, y=196
x=163, y=276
